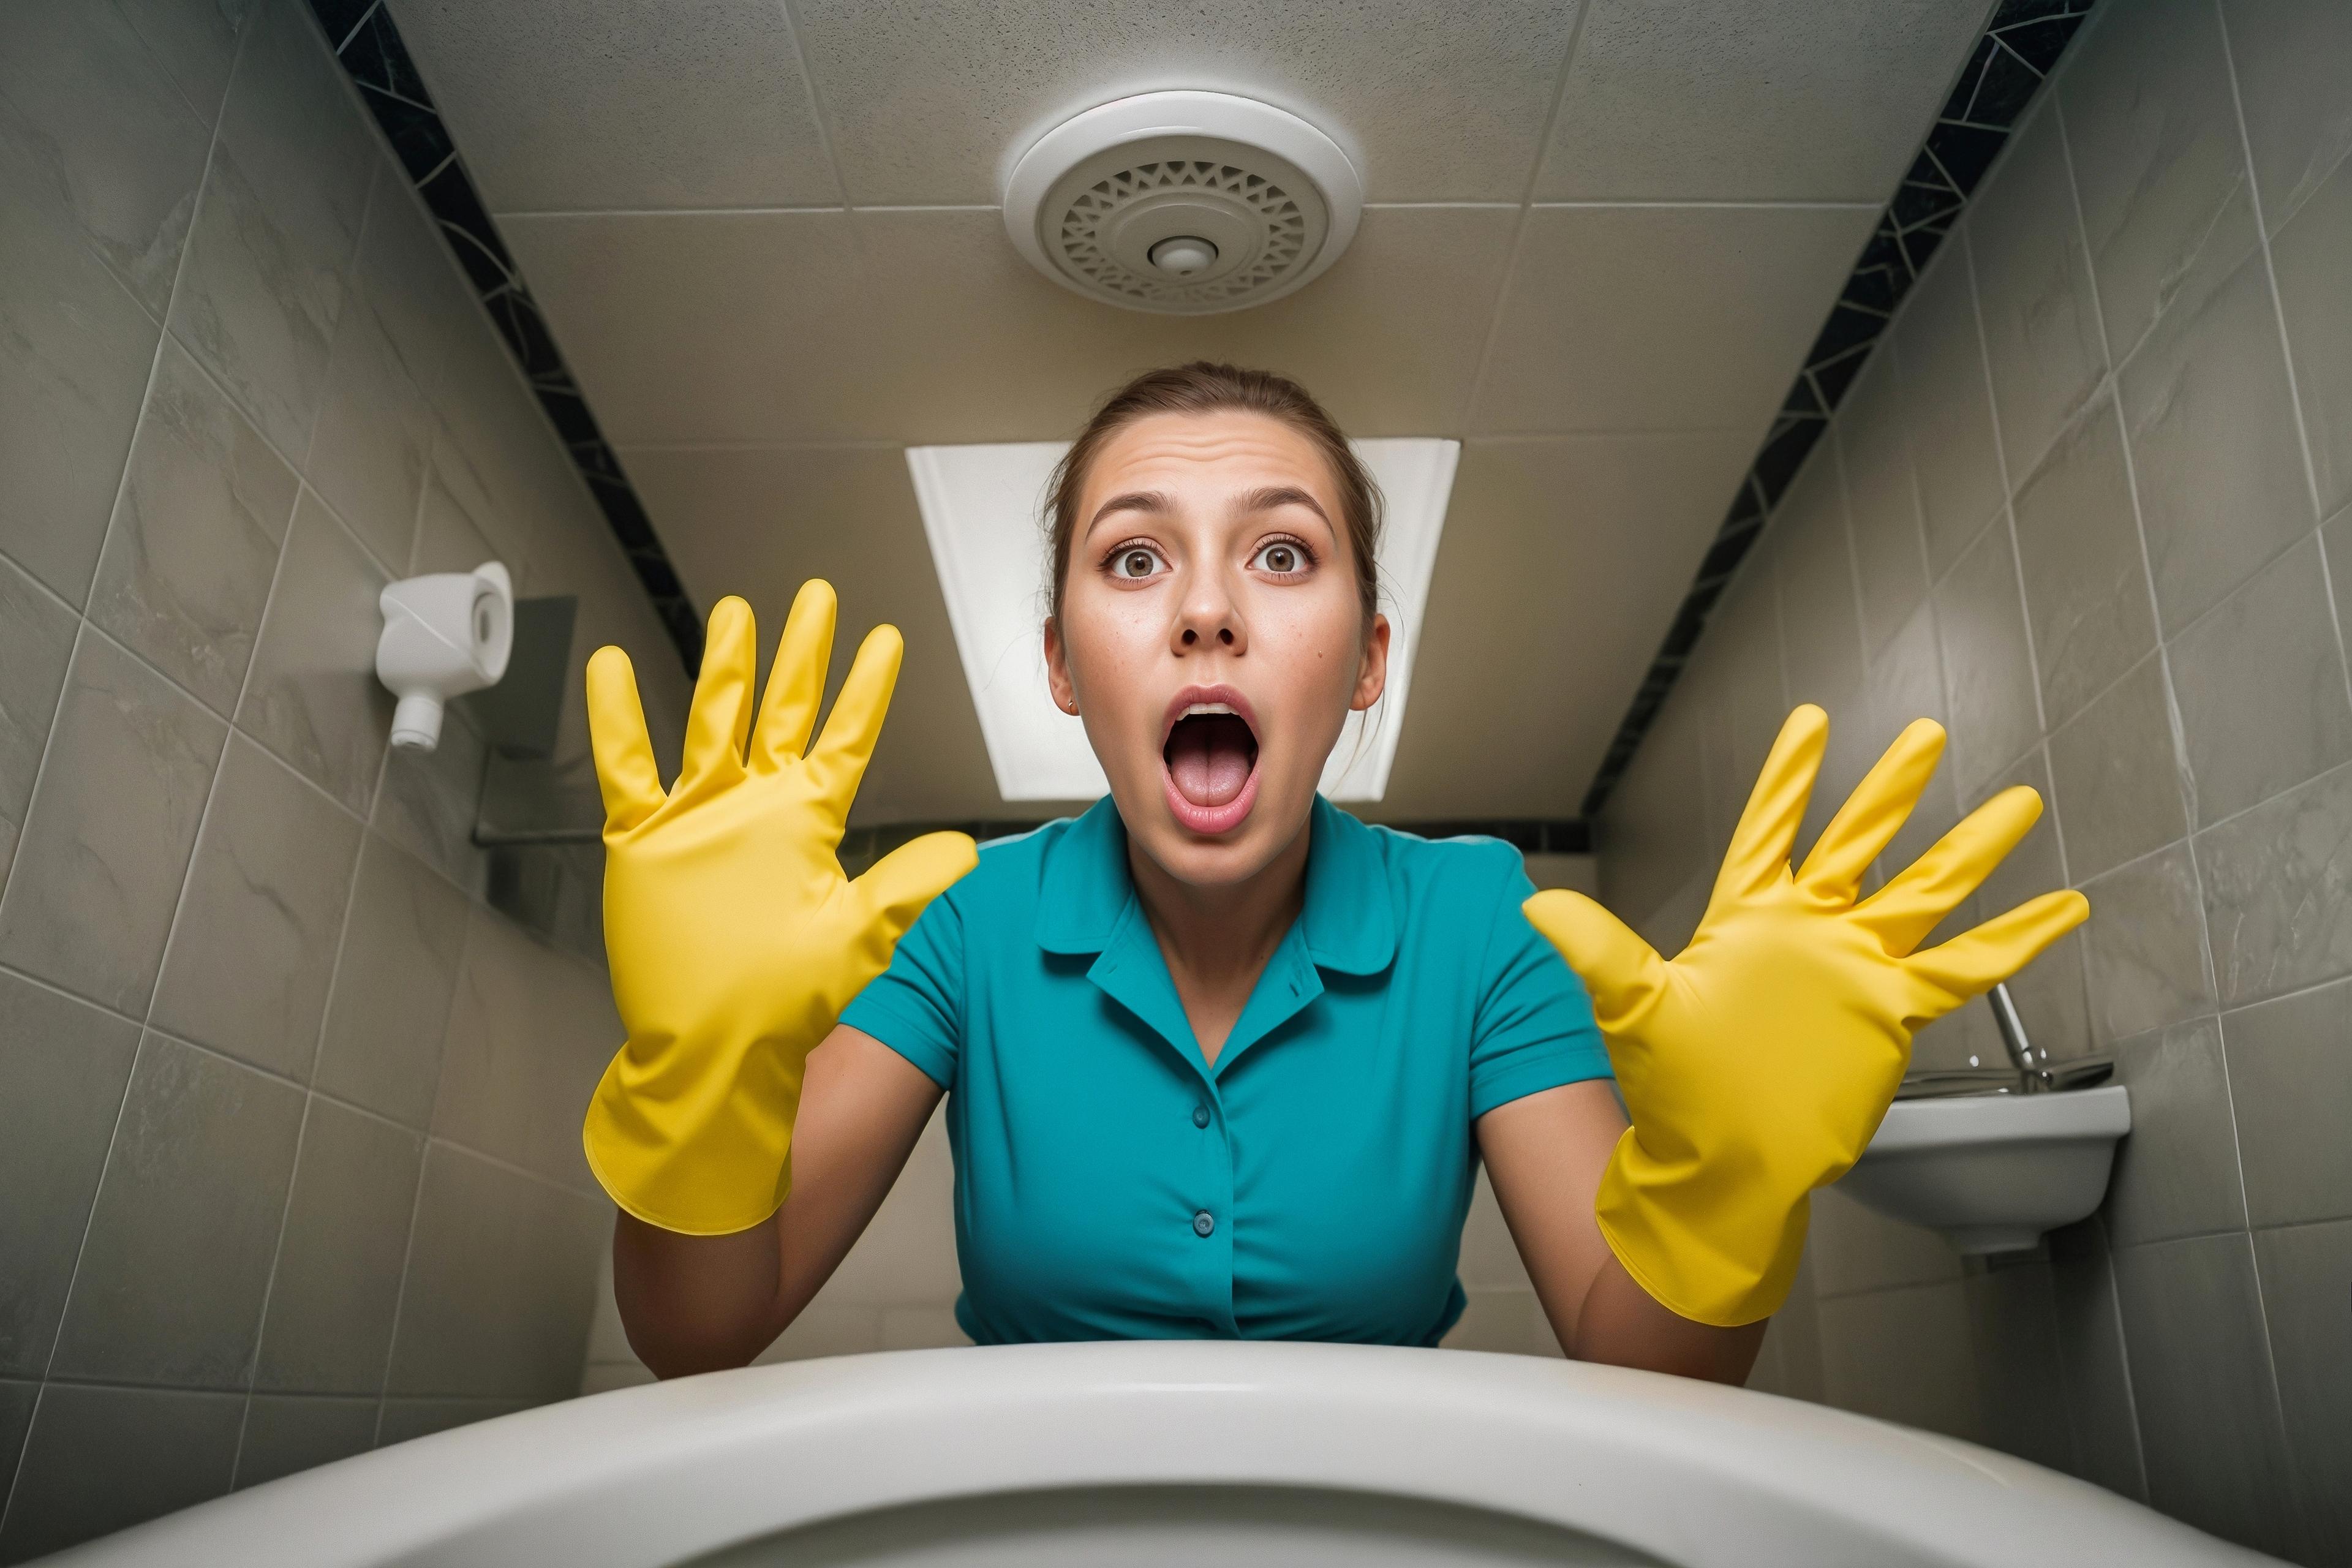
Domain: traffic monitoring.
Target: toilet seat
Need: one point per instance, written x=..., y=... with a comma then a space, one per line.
x=1252, y=1450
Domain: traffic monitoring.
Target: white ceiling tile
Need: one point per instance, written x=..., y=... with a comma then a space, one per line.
x=758, y=522
x=1651, y=318
x=574, y=105
x=1442, y=102
x=927, y=328
x=1753, y=100
x=974, y=345
x=703, y=327
x=1563, y=562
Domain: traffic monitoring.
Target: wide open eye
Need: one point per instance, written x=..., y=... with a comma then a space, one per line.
x=1283, y=558
x=1134, y=562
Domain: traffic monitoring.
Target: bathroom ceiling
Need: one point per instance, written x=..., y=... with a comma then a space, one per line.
x=1596, y=246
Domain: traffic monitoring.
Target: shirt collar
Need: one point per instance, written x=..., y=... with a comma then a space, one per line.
x=1348, y=922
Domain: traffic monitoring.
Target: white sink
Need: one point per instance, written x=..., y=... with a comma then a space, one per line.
x=1993, y=1172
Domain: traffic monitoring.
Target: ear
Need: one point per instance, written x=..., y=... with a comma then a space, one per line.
x=1372, y=675
x=1057, y=670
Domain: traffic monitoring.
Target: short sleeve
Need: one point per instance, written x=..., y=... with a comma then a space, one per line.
x=1534, y=1029
x=915, y=1005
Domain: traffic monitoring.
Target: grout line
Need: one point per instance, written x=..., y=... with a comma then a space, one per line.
x=40, y=770
x=833, y=209
x=818, y=115
x=163, y=335
x=269, y=1290
x=2270, y=270
x=417, y=1198
x=2006, y=514
x=2182, y=770
x=620, y=449
x=2225, y=1009
x=328, y=1096
x=123, y=481
x=2311, y=487
x=310, y=1104
x=1519, y=226
x=1702, y=206
x=500, y=1162
x=1441, y=206
x=2181, y=758
x=290, y=1081
x=300, y=777
x=2108, y=384
x=1837, y=475
x=348, y=305
x=925, y=207
x=2122, y=1350
x=187, y=875
x=32, y=1421
x=73, y=1277
x=2286, y=345
x=339, y=45
x=1602, y=433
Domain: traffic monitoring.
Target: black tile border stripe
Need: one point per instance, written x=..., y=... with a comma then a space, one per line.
x=2016, y=53
x=369, y=45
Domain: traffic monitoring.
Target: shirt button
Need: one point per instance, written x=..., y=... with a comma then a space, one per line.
x=1200, y=1115
x=1203, y=1223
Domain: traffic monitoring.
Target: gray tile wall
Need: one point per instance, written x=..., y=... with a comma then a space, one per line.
x=289, y=1143
x=2092, y=507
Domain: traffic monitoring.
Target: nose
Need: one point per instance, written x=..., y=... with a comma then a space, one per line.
x=1207, y=616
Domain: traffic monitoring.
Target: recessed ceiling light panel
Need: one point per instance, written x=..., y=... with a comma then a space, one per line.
x=982, y=508
x=1185, y=204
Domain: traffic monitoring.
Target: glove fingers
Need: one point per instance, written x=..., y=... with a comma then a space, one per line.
x=1977, y=959
x=898, y=887
x=626, y=774
x=1622, y=972
x=721, y=715
x=838, y=760
x=1760, y=845
x=796, y=678
x=1873, y=814
x=1906, y=909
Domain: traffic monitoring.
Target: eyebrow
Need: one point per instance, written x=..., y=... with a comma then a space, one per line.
x=1132, y=500
x=1274, y=496
x=1264, y=499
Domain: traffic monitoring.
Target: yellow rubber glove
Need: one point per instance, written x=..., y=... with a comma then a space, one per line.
x=1756, y=1065
x=734, y=938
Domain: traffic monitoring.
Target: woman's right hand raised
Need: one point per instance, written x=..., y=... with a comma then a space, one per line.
x=734, y=938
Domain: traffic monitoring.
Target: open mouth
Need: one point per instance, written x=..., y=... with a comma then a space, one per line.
x=1211, y=759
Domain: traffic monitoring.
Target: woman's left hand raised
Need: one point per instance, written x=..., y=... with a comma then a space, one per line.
x=1757, y=1064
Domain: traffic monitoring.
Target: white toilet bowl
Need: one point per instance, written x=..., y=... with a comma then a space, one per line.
x=1173, y=1453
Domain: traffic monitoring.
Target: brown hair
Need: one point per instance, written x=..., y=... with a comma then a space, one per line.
x=1204, y=388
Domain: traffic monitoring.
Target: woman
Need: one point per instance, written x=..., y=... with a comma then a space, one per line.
x=1223, y=1058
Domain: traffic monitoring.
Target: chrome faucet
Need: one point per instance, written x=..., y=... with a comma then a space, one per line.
x=2022, y=1055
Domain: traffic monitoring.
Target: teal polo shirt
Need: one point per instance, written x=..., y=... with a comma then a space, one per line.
x=1109, y=1183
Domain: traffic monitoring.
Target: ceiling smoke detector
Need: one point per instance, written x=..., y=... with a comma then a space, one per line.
x=1186, y=204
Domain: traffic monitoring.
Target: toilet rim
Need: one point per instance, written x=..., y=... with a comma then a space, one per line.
x=1690, y=1472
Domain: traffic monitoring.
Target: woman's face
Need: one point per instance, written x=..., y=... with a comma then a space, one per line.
x=1211, y=635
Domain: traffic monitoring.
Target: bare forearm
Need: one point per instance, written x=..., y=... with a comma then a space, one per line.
x=697, y=1303
x=1623, y=1325
x=1546, y=1154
